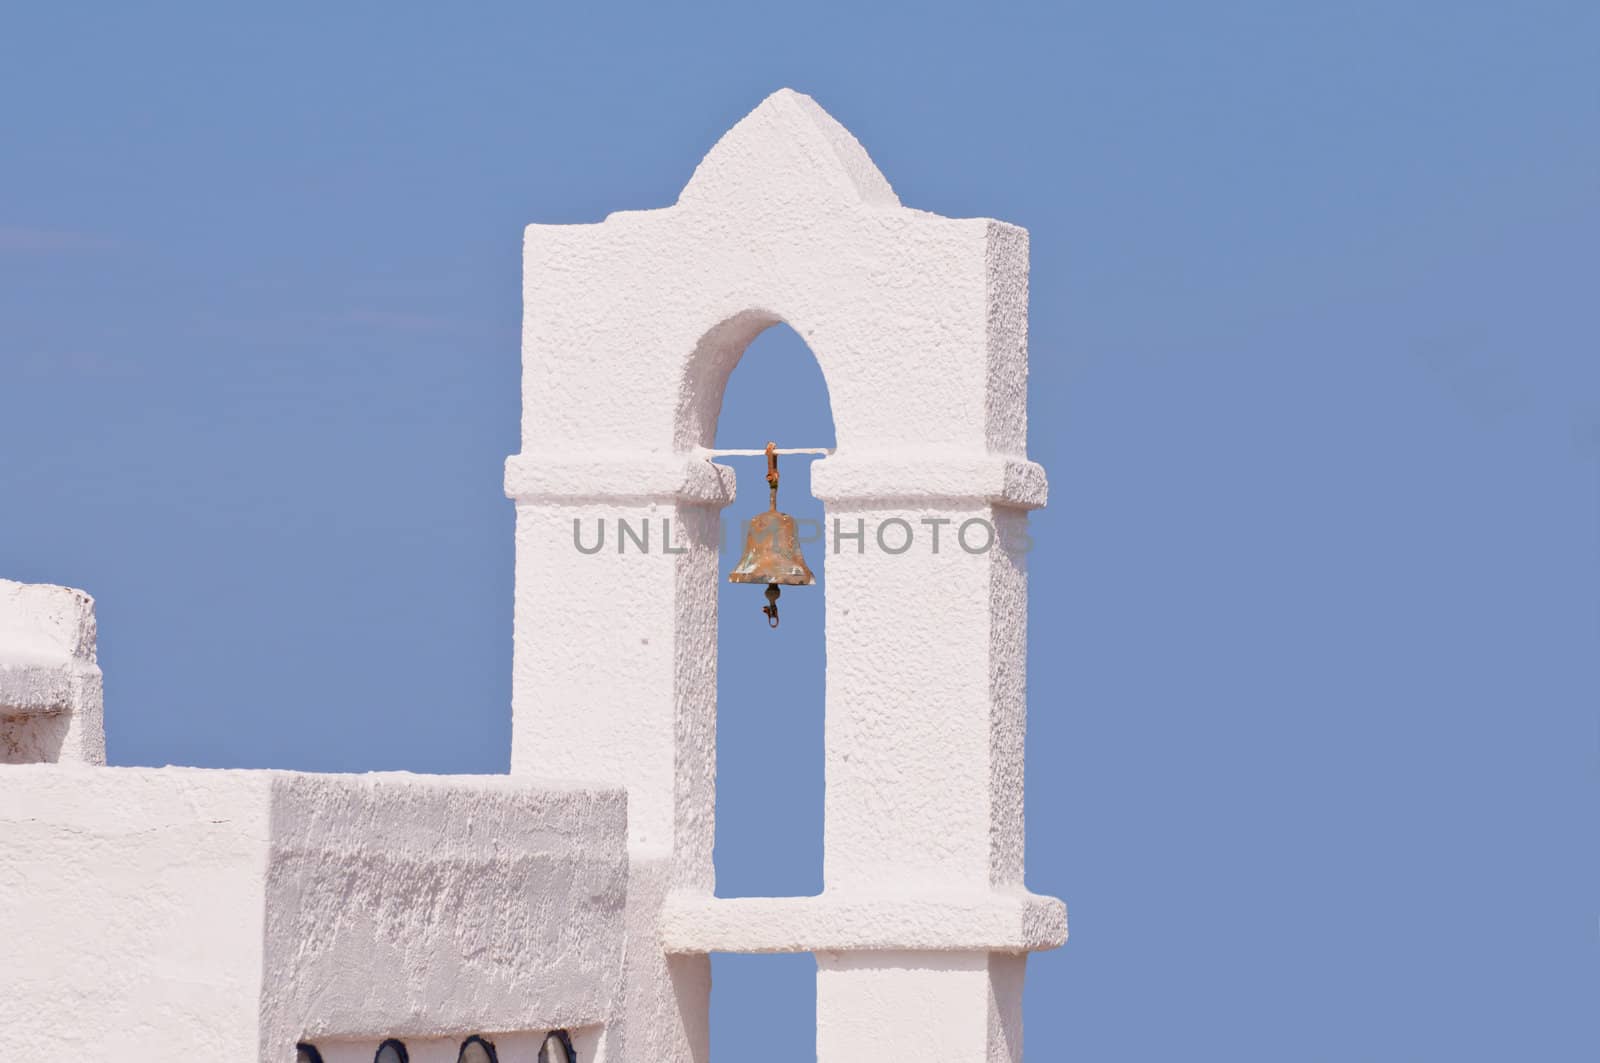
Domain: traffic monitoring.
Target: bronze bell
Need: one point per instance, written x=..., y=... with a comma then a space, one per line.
x=772, y=548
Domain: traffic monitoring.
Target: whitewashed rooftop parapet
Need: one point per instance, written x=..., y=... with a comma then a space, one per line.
x=229, y=915
x=51, y=691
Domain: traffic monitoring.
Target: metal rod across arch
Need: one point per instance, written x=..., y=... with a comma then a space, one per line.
x=762, y=453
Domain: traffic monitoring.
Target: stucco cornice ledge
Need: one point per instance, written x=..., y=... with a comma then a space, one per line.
x=995, y=479
x=1002, y=921
x=29, y=688
x=618, y=478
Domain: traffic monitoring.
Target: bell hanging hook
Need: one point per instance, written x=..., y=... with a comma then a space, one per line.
x=772, y=476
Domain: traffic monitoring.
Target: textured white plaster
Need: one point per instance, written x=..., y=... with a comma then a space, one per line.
x=632, y=325
x=614, y=678
x=906, y=1006
x=992, y=921
x=187, y=913
x=555, y=480
x=929, y=477
x=51, y=691
x=131, y=902
x=46, y=621
x=631, y=328
x=405, y=905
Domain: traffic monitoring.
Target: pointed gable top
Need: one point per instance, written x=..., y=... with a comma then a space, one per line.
x=788, y=140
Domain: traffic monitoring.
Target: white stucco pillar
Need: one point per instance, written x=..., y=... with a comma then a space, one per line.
x=927, y=641
x=926, y=699
x=895, y=1005
x=614, y=679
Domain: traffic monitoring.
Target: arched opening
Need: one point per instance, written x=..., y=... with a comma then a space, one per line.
x=392, y=1051
x=557, y=1048
x=476, y=1050
x=770, y=682
x=770, y=688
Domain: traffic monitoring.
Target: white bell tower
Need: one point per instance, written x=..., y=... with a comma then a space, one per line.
x=919, y=323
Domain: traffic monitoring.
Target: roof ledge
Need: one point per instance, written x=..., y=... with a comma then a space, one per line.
x=984, y=921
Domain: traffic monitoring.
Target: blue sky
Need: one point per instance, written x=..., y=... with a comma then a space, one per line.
x=1314, y=374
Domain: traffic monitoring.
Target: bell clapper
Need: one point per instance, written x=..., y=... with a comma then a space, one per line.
x=771, y=608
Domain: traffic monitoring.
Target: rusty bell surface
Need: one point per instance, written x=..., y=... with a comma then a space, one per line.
x=772, y=553
x=772, y=548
